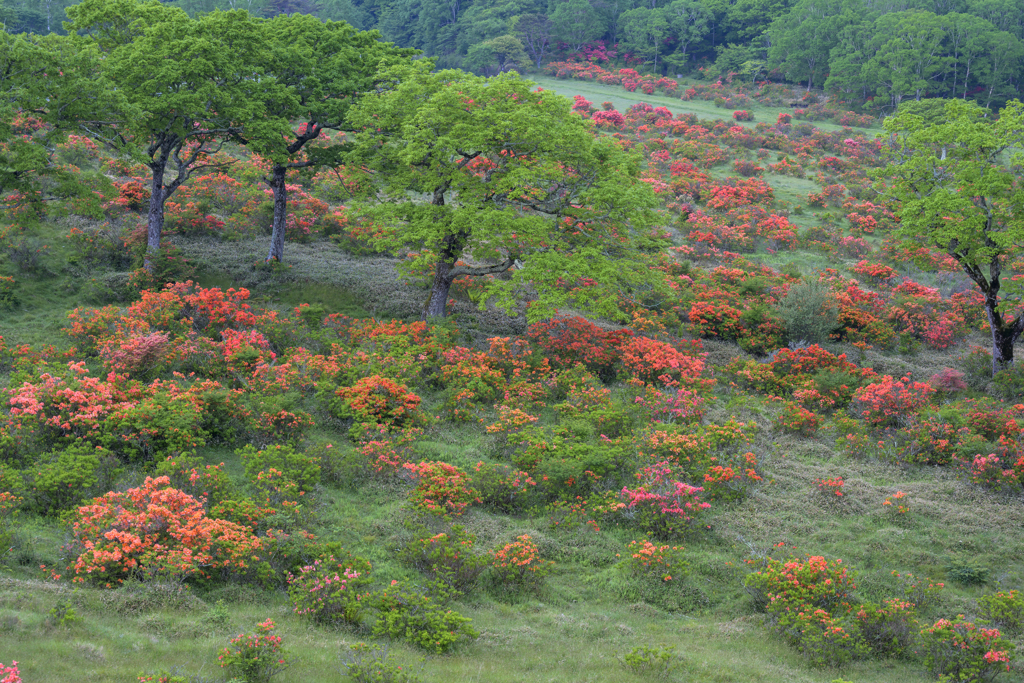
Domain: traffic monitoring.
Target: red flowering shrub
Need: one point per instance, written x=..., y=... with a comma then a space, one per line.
x=155, y=530
x=608, y=119
x=661, y=505
x=797, y=419
x=710, y=319
x=887, y=401
x=959, y=650
x=659, y=363
x=567, y=341
x=743, y=115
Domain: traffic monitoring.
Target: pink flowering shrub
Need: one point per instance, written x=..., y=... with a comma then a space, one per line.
x=327, y=591
x=960, y=650
x=10, y=673
x=661, y=505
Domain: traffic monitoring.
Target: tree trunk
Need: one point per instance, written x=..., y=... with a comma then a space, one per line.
x=277, y=184
x=155, y=218
x=1004, y=336
x=442, y=284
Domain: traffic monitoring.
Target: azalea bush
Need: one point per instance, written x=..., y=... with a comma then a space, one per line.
x=255, y=657
x=441, y=489
x=519, y=566
x=328, y=590
x=157, y=531
x=963, y=652
x=647, y=559
x=661, y=505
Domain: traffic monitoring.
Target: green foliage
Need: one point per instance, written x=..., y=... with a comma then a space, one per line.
x=809, y=312
x=419, y=618
x=980, y=229
x=1004, y=609
x=655, y=662
x=369, y=664
x=967, y=573
x=296, y=467
x=327, y=591
x=447, y=556
x=553, y=238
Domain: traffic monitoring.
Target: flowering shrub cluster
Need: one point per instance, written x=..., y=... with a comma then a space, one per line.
x=327, y=591
x=661, y=505
x=518, y=565
x=255, y=657
x=648, y=559
x=156, y=531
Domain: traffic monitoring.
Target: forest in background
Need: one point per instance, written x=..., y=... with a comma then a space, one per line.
x=872, y=54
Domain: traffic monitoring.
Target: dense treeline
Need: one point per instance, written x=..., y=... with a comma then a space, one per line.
x=862, y=49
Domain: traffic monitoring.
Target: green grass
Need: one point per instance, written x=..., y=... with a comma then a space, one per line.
x=623, y=99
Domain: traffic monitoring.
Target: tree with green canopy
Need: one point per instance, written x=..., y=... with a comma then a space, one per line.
x=803, y=38
x=500, y=54
x=576, y=23
x=486, y=176
x=320, y=68
x=180, y=88
x=955, y=188
x=688, y=24
x=643, y=31
x=45, y=89
x=535, y=31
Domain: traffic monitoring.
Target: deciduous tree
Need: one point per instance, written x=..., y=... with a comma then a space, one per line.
x=957, y=190
x=511, y=180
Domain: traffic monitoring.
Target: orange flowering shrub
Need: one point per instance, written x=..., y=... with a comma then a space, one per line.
x=660, y=363
x=647, y=559
x=376, y=400
x=519, y=565
x=441, y=488
x=155, y=530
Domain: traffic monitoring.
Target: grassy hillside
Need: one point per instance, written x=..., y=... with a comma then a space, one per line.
x=581, y=621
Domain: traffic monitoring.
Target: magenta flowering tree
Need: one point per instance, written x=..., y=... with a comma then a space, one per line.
x=661, y=505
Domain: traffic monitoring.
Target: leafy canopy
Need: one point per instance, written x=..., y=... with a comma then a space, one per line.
x=490, y=171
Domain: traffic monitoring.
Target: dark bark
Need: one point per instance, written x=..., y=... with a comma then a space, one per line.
x=155, y=217
x=277, y=184
x=276, y=181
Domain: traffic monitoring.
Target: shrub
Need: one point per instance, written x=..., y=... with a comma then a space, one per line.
x=661, y=505
x=419, y=619
x=961, y=652
x=296, y=467
x=886, y=401
x=830, y=489
x=888, y=630
x=376, y=400
x=327, y=590
x=369, y=664
x=797, y=419
x=743, y=115
x=448, y=557
x=255, y=657
x=518, y=564
x=815, y=581
x=441, y=488
x=647, y=559
x=809, y=312
x=1004, y=609
x=10, y=673
x=895, y=506
x=658, y=662
x=155, y=530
